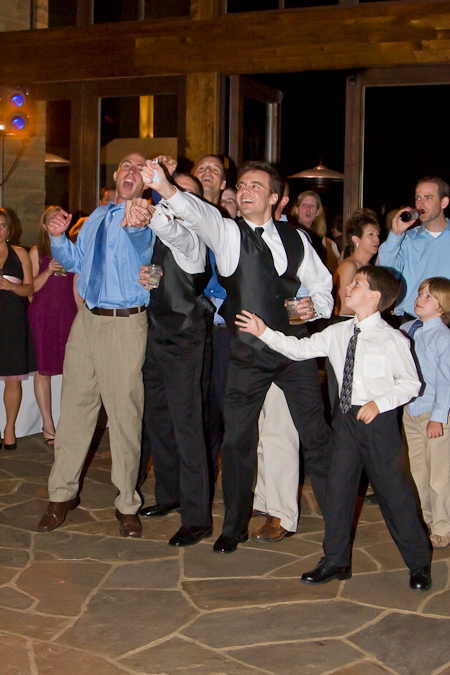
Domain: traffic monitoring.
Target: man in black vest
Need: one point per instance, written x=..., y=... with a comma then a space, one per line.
x=260, y=264
x=172, y=370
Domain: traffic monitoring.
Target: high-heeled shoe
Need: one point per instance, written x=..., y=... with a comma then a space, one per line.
x=49, y=438
x=10, y=446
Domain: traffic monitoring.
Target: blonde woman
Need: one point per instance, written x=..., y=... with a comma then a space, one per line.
x=308, y=211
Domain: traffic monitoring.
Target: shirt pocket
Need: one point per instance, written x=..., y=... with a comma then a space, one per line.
x=374, y=365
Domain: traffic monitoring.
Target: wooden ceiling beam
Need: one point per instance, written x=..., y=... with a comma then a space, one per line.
x=337, y=38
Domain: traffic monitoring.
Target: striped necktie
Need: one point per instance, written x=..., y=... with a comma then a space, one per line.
x=345, y=399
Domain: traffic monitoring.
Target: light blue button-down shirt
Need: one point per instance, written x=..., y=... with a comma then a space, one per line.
x=417, y=255
x=126, y=250
x=432, y=348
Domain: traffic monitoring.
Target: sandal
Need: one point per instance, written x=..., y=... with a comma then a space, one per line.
x=50, y=438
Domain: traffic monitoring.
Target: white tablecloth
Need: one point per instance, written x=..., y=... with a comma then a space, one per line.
x=29, y=420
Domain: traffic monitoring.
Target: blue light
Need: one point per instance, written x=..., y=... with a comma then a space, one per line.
x=18, y=123
x=17, y=100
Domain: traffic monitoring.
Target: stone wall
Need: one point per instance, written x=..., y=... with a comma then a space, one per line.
x=24, y=192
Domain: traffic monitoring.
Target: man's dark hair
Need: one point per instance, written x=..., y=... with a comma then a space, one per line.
x=442, y=186
x=354, y=227
x=224, y=174
x=382, y=280
x=198, y=185
x=275, y=180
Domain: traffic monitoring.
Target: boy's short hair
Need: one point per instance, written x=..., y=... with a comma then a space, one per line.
x=440, y=290
x=382, y=280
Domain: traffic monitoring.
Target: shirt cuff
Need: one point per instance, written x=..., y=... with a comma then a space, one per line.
x=439, y=416
x=58, y=241
x=176, y=202
x=268, y=336
x=383, y=404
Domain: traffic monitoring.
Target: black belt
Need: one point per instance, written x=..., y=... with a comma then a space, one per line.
x=121, y=311
x=219, y=326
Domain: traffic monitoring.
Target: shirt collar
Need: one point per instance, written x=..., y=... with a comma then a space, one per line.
x=369, y=322
x=431, y=323
x=422, y=228
x=267, y=227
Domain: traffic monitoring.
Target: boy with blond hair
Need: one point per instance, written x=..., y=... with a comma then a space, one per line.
x=426, y=418
x=376, y=374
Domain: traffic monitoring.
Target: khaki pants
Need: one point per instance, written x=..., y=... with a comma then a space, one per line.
x=103, y=362
x=276, y=490
x=430, y=467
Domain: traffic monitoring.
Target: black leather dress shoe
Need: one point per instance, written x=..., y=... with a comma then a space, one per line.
x=187, y=536
x=158, y=509
x=326, y=571
x=420, y=579
x=226, y=544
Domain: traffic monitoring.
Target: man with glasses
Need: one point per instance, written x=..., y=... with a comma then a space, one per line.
x=260, y=263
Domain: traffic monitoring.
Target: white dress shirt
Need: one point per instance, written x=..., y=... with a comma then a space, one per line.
x=223, y=236
x=384, y=370
x=188, y=249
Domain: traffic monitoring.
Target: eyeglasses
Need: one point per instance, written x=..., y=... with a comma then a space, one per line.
x=256, y=187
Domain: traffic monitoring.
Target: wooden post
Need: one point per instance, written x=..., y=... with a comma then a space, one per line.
x=203, y=96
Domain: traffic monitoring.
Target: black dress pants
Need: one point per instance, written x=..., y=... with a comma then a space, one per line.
x=376, y=447
x=173, y=420
x=250, y=375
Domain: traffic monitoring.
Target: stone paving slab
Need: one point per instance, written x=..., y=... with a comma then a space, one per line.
x=61, y=588
x=108, y=625
x=391, y=589
x=202, y=562
x=156, y=575
x=307, y=658
x=407, y=643
x=61, y=545
x=259, y=625
x=179, y=657
x=51, y=659
x=225, y=593
x=14, y=655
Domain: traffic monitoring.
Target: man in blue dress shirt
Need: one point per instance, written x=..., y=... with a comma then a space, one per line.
x=105, y=351
x=423, y=251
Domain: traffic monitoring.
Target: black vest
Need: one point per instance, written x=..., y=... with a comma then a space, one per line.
x=256, y=285
x=178, y=303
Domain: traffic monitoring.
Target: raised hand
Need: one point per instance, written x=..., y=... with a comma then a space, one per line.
x=59, y=223
x=138, y=212
x=250, y=323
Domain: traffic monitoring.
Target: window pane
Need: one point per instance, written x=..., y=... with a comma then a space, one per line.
x=106, y=11
x=155, y=9
x=62, y=13
x=403, y=142
x=250, y=5
x=146, y=124
x=57, y=153
x=257, y=130
x=291, y=4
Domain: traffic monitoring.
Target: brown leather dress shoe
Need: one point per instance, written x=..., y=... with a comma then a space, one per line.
x=130, y=525
x=56, y=514
x=271, y=531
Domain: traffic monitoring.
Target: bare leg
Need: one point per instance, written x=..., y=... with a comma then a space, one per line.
x=43, y=394
x=12, y=398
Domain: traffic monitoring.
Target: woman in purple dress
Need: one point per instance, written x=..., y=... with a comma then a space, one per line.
x=17, y=359
x=51, y=313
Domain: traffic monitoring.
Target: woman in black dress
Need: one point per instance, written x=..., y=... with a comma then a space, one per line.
x=17, y=358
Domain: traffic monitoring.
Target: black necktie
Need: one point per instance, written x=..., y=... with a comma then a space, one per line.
x=345, y=399
x=417, y=324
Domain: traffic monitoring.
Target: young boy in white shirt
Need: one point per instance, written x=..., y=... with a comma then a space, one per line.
x=376, y=374
x=426, y=419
